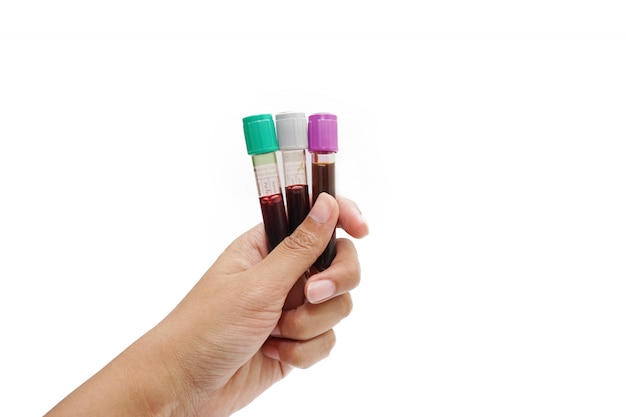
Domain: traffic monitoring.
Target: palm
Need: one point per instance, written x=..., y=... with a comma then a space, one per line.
x=246, y=321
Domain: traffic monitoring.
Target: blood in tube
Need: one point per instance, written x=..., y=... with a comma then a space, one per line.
x=323, y=147
x=274, y=220
x=323, y=179
x=298, y=205
x=262, y=145
x=292, y=136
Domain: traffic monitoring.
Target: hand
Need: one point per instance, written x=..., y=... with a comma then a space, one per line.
x=238, y=330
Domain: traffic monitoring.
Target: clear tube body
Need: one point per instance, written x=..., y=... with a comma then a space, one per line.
x=271, y=198
x=323, y=181
x=296, y=187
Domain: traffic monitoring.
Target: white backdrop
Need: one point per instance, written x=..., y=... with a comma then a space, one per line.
x=484, y=142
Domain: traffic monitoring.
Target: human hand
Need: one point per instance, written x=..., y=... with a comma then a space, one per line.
x=235, y=338
x=243, y=326
x=227, y=356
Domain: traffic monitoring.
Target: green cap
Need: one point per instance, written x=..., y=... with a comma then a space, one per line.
x=260, y=134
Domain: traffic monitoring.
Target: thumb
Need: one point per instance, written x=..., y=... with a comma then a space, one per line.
x=297, y=252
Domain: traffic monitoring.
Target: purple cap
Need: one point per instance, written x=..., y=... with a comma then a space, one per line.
x=323, y=132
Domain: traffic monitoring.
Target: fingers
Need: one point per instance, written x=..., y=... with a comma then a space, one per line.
x=350, y=218
x=300, y=354
x=292, y=257
x=250, y=248
x=311, y=320
x=343, y=275
x=304, y=335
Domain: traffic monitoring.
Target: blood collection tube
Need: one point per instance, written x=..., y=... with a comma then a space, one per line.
x=291, y=131
x=322, y=135
x=262, y=145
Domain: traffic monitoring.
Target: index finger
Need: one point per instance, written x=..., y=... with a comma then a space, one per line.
x=351, y=219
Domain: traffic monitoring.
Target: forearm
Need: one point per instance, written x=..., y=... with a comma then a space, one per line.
x=140, y=382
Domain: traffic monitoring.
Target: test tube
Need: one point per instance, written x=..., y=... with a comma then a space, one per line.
x=322, y=134
x=291, y=132
x=260, y=135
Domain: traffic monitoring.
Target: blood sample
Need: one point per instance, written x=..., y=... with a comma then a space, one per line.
x=273, y=211
x=262, y=145
x=291, y=132
x=322, y=134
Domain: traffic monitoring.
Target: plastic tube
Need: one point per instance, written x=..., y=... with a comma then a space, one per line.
x=291, y=132
x=322, y=135
x=261, y=143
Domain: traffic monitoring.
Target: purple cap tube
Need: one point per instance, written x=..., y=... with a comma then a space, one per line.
x=323, y=132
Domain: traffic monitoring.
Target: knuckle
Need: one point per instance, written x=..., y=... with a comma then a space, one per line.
x=300, y=359
x=297, y=326
x=354, y=271
x=300, y=240
x=303, y=356
x=296, y=357
x=329, y=342
x=345, y=305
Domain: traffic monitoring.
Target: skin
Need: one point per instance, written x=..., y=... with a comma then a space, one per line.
x=248, y=321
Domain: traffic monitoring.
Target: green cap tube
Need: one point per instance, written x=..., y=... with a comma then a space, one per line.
x=260, y=134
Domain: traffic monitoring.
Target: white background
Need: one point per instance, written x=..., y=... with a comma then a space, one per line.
x=483, y=140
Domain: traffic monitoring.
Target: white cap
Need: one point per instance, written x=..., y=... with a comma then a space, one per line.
x=291, y=131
